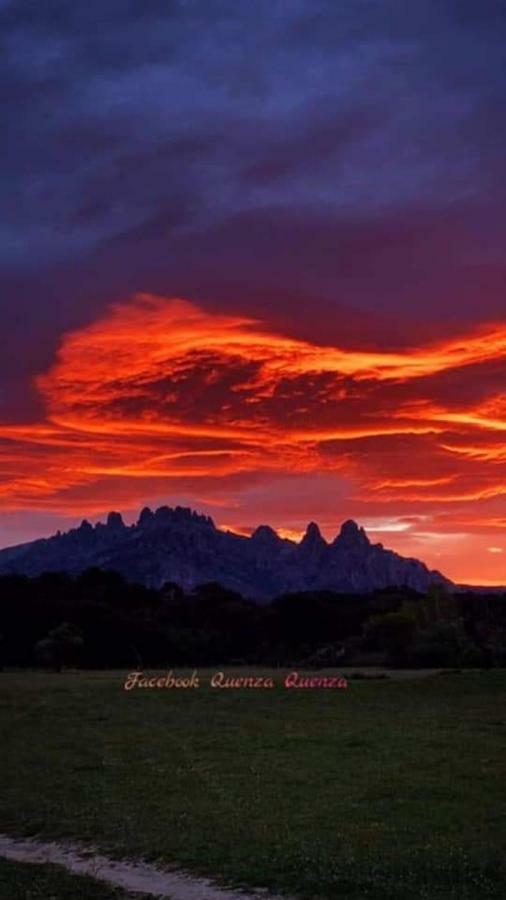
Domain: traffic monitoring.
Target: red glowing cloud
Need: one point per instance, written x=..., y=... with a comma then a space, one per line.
x=160, y=397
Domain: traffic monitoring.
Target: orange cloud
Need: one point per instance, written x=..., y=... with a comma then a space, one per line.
x=160, y=396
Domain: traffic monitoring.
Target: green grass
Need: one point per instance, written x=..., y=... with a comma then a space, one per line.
x=19, y=881
x=393, y=789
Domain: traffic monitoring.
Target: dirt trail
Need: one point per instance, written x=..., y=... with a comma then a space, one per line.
x=132, y=877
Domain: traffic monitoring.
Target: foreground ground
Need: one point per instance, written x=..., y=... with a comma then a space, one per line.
x=391, y=789
x=27, y=882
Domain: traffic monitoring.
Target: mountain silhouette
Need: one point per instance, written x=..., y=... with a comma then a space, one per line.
x=184, y=547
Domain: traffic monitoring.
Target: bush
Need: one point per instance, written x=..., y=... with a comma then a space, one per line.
x=393, y=632
x=61, y=647
x=446, y=644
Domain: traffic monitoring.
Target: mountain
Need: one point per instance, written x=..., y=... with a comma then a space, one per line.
x=181, y=546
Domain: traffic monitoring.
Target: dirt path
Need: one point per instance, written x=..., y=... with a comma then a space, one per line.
x=132, y=877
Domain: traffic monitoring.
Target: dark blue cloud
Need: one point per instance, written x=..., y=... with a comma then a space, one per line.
x=283, y=157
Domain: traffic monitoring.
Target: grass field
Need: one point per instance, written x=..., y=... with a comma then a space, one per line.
x=19, y=881
x=394, y=789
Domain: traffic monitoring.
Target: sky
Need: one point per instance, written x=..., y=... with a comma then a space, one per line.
x=253, y=261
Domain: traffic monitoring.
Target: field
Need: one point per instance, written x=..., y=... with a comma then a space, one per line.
x=391, y=789
x=29, y=882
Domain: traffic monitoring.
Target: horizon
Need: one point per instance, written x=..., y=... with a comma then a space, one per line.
x=253, y=262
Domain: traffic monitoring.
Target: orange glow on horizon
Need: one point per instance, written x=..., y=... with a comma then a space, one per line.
x=161, y=397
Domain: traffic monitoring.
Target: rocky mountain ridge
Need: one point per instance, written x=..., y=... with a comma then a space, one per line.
x=182, y=546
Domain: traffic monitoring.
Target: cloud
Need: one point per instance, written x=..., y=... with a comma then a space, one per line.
x=160, y=392
x=270, y=158
x=179, y=113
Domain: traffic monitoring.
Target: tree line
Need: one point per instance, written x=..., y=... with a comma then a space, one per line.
x=98, y=620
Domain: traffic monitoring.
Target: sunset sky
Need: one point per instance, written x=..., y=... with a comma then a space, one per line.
x=254, y=262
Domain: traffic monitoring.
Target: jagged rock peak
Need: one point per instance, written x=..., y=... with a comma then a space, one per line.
x=163, y=514
x=265, y=534
x=179, y=515
x=313, y=536
x=85, y=526
x=146, y=517
x=351, y=535
x=115, y=521
x=350, y=527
